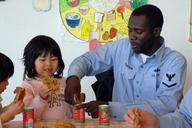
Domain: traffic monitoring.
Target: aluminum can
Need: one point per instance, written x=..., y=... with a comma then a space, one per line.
x=104, y=115
x=79, y=114
x=28, y=118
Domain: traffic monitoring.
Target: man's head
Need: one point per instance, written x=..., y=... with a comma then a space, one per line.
x=145, y=26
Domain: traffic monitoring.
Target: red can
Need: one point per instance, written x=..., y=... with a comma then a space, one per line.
x=104, y=114
x=79, y=114
x=28, y=118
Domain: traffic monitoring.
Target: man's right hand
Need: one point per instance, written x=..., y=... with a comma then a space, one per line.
x=72, y=90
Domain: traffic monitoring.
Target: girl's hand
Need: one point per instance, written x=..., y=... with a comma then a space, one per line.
x=44, y=92
x=15, y=107
x=146, y=120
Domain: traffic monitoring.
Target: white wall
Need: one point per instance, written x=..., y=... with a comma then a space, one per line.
x=176, y=29
x=19, y=22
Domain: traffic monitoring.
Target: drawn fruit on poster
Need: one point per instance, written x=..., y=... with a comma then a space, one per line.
x=73, y=3
x=104, y=20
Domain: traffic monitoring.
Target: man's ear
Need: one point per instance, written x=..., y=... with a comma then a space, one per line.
x=157, y=31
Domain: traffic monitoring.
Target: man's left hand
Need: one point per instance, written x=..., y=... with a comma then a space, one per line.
x=92, y=107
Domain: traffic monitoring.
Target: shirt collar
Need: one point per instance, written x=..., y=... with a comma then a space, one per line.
x=159, y=53
x=35, y=78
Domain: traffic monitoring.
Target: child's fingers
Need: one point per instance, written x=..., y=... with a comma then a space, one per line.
x=131, y=113
x=129, y=117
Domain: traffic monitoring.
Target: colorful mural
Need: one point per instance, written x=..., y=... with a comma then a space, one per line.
x=103, y=20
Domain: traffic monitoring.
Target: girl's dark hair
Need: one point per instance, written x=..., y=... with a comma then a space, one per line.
x=153, y=13
x=41, y=45
x=6, y=67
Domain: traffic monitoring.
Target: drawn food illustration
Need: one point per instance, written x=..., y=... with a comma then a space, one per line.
x=73, y=3
x=113, y=32
x=83, y=18
x=120, y=10
x=72, y=19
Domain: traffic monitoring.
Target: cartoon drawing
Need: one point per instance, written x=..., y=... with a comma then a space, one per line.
x=107, y=19
x=72, y=3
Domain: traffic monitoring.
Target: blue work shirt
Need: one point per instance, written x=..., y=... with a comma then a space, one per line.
x=181, y=119
x=154, y=85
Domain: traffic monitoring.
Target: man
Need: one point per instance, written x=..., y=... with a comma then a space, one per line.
x=147, y=74
x=180, y=119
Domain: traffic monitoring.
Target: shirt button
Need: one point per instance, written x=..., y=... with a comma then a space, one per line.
x=137, y=82
x=141, y=66
x=137, y=96
x=114, y=116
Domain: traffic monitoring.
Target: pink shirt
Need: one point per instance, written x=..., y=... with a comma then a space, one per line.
x=54, y=107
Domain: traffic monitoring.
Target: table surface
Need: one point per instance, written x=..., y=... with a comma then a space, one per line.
x=89, y=123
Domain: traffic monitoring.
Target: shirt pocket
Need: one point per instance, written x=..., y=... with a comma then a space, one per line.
x=128, y=72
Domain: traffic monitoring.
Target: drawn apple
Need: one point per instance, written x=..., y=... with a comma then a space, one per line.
x=73, y=3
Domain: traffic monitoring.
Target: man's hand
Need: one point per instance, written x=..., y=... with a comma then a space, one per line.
x=146, y=120
x=72, y=90
x=92, y=107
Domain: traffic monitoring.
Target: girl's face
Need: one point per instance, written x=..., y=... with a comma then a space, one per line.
x=3, y=85
x=46, y=65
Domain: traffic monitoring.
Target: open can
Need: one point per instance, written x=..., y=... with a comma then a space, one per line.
x=104, y=115
x=28, y=118
x=79, y=114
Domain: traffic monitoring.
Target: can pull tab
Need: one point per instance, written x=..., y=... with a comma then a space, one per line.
x=81, y=98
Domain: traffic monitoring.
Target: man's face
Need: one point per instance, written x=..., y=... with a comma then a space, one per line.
x=140, y=34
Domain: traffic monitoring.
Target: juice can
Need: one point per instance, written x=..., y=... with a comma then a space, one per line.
x=79, y=114
x=28, y=118
x=104, y=114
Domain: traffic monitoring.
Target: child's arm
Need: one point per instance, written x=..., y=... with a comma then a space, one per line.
x=33, y=99
x=12, y=110
x=40, y=101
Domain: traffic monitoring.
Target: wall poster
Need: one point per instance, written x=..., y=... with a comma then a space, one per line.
x=96, y=21
x=42, y=5
x=190, y=22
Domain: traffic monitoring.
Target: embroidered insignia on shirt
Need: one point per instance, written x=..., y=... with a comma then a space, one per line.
x=169, y=78
x=156, y=70
x=171, y=85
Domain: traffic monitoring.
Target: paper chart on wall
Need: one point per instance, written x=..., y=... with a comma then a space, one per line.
x=190, y=23
x=42, y=5
x=104, y=20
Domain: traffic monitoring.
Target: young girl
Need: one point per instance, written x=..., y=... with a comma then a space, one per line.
x=6, y=71
x=42, y=57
